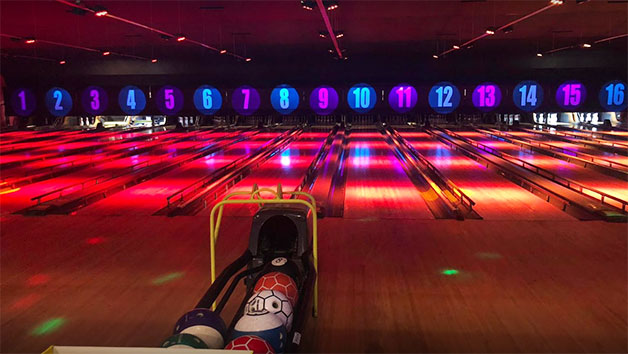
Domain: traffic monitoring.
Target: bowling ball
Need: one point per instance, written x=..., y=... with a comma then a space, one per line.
x=205, y=324
x=184, y=340
x=271, y=301
x=279, y=282
x=252, y=343
x=283, y=265
x=267, y=326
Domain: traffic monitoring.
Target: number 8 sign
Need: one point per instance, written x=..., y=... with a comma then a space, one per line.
x=132, y=100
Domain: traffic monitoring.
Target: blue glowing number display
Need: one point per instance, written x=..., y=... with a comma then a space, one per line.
x=324, y=100
x=169, y=100
x=570, y=94
x=444, y=97
x=527, y=95
x=132, y=100
x=94, y=100
x=486, y=96
x=23, y=102
x=207, y=99
x=361, y=98
x=613, y=96
x=246, y=100
x=284, y=99
x=58, y=101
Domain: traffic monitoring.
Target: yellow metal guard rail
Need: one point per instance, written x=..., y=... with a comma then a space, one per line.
x=256, y=198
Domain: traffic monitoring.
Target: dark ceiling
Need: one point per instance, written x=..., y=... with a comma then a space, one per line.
x=282, y=33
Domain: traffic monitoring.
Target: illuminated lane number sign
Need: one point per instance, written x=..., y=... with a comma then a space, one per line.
x=207, y=99
x=361, y=98
x=58, y=101
x=324, y=100
x=528, y=95
x=23, y=102
x=245, y=100
x=284, y=99
x=444, y=97
x=613, y=96
x=570, y=94
x=402, y=98
x=486, y=96
x=169, y=100
x=94, y=100
x=132, y=100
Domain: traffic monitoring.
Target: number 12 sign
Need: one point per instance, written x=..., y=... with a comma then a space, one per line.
x=444, y=97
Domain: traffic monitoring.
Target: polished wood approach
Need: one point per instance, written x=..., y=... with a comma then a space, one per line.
x=522, y=286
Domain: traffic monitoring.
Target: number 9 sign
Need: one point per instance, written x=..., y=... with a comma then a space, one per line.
x=169, y=100
x=58, y=101
x=132, y=100
x=94, y=100
x=207, y=99
x=324, y=100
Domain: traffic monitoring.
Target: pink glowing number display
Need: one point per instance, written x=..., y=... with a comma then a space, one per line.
x=572, y=94
x=247, y=94
x=323, y=98
x=405, y=96
x=169, y=98
x=95, y=103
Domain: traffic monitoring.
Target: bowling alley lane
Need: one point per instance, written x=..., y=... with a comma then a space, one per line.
x=377, y=186
x=613, y=186
x=14, y=200
x=496, y=197
x=148, y=197
x=287, y=167
x=574, y=147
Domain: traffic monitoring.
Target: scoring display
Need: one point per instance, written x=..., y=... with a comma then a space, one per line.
x=528, y=95
x=58, y=101
x=361, y=98
x=486, y=96
x=284, y=99
x=23, y=102
x=245, y=100
x=207, y=99
x=444, y=97
x=324, y=100
x=132, y=100
x=571, y=94
x=94, y=100
x=613, y=96
x=402, y=98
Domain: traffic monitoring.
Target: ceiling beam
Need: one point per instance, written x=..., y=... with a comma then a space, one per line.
x=323, y=10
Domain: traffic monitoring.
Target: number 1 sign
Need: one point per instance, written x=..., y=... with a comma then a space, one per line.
x=23, y=102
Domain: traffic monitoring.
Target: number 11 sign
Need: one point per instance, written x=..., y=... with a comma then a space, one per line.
x=402, y=98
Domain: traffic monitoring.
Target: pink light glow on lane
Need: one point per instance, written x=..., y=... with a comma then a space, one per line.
x=496, y=198
x=585, y=176
x=384, y=192
x=150, y=196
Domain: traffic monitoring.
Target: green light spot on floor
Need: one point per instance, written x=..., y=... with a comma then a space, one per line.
x=49, y=326
x=167, y=278
x=449, y=272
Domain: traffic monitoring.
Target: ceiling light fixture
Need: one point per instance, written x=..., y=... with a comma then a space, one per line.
x=456, y=47
x=106, y=53
x=508, y=29
x=539, y=54
x=223, y=51
x=490, y=31
x=322, y=34
x=100, y=11
x=62, y=62
x=180, y=37
x=435, y=56
x=248, y=60
x=586, y=45
x=153, y=60
x=308, y=4
x=29, y=40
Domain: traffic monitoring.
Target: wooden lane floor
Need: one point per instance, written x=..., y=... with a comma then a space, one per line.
x=385, y=285
x=496, y=197
x=377, y=186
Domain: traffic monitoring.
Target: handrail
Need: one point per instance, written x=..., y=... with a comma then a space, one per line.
x=462, y=197
x=566, y=182
x=256, y=198
x=581, y=155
